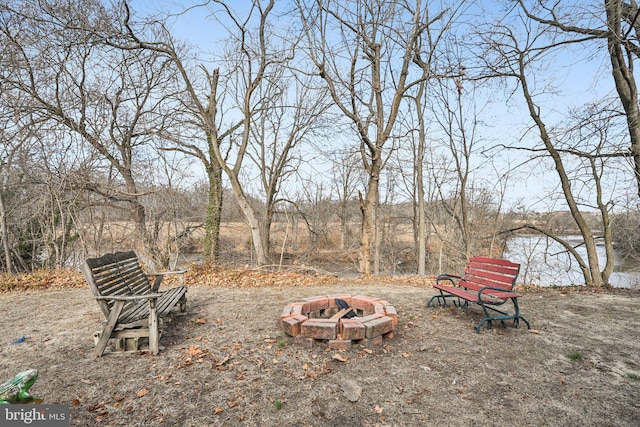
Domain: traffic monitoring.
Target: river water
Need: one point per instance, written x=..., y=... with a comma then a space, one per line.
x=544, y=262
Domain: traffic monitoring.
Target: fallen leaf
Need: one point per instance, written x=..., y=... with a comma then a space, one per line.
x=217, y=410
x=75, y=402
x=86, y=381
x=534, y=331
x=143, y=392
x=195, y=351
x=338, y=357
x=201, y=321
x=223, y=361
x=378, y=409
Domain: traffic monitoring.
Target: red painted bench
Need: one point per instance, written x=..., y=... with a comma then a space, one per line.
x=487, y=282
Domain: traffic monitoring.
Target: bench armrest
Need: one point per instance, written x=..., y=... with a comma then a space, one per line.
x=448, y=277
x=160, y=275
x=127, y=297
x=164, y=273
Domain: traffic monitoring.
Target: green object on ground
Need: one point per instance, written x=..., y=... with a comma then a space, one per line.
x=16, y=390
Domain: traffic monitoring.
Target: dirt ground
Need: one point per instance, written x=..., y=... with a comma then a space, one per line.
x=228, y=362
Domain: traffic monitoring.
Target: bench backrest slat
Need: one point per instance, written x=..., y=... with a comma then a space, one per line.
x=494, y=261
x=498, y=273
x=118, y=273
x=501, y=269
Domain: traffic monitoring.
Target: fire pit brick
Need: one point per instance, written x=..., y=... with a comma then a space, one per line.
x=391, y=312
x=379, y=326
x=315, y=304
x=292, y=325
x=305, y=341
x=323, y=329
x=352, y=329
x=286, y=312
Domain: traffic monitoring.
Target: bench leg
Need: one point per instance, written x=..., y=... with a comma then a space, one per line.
x=517, y=318
x=441, y=300
x=154, y=336
x=183, y=303
x=502, y=317
x=101, y=345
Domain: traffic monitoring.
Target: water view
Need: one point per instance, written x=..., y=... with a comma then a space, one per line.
x=545, y=262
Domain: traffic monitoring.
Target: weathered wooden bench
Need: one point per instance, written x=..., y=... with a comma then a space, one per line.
x=487, y=282
x=130, y=303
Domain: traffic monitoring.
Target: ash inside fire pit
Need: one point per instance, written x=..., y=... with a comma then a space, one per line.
x=364, y=319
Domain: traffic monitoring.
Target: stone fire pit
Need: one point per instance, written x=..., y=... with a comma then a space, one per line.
x=318, y=319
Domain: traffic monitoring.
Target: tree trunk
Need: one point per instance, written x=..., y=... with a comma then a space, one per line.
x=214, y=211
x=422, y=221
x=624, y=79
x=5, y=236
x=252, y=221
x=369, y=209
x=267, y=219
x=419, y=177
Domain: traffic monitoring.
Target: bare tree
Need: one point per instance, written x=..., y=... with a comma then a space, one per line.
x=363, y=50
x=202, y=109
x=288, y=116
x=12, y=145
x=255, y=68
x=106, y=97
x=347, y=178
x=578, y=23
x=510, y=57
x=38, y=201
